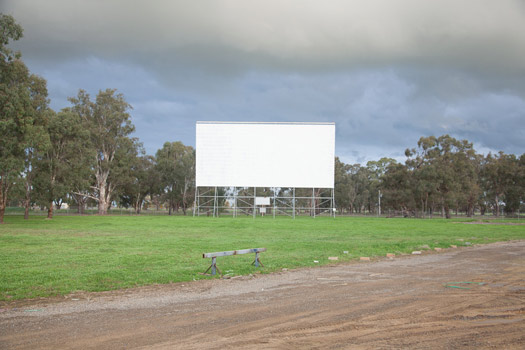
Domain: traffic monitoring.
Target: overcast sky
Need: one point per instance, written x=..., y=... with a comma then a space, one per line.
x=386, y=72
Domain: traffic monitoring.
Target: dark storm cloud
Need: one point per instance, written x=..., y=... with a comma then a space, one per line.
x=387, y=72
x=213, y=35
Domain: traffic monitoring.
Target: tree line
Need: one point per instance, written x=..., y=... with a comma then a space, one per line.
x=85, y=154
x=441, y=175
x=81, y=154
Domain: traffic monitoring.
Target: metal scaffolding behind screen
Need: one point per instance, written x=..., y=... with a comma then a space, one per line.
x=243, y=201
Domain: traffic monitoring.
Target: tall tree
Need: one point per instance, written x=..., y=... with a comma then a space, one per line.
x=126, y=169
x=142, y=181
x=500, y=180
x=37, y=137
x=341, y=185
x=376, y=170
x=68, y=158
x=176, y=166
x=452, y=167
x=15, y=109
x=109, y=124
x=397, y=185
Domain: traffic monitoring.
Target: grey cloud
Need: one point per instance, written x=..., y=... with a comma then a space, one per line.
x=387, y=72
x=377, y=112
x=303, y=35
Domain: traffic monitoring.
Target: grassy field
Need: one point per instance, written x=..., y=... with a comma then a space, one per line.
x=40, y=257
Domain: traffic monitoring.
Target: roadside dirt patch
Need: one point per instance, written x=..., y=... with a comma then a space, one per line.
x=406, y=302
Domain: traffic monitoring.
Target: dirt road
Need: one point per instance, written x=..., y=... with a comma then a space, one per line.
x=407, y=302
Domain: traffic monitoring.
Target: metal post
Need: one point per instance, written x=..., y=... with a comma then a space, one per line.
x=254, y=207
x=313, y=202
x=333, y=202
x=213, y=266
x=215, y=202
x=198, y=203
x=293, y=203
x=274, y=198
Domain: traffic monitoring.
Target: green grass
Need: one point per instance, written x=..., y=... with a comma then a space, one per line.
x=40, y=257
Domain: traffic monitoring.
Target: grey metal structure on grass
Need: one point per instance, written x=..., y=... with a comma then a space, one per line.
x=284, y=202
x=257, y=262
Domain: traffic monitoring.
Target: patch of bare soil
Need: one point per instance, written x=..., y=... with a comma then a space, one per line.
x=410, y=302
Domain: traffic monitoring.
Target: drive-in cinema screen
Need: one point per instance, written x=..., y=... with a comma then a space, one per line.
x=265, y=154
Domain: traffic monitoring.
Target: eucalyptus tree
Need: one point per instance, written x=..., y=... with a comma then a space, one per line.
x=109, y=123
x=37, y=137
x=502, y=181
x=360, y=179
x=137, y=176
x=176, y=166
x=354, y=185
x=376, y=170
x=67, y=162
x=341, y=185
x=397, y=185
x=451, y=164
x=514, y=190
x=142, y=181
x=126, y=159
x=16, y=110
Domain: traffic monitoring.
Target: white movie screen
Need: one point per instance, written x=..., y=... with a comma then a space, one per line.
x=265, y=154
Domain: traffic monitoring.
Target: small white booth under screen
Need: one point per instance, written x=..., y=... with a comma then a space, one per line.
x=251, y=168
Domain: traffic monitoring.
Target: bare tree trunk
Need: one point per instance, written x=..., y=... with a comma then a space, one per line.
x=138, y=205
x=470, y=208
x=3, y=199
x=102, y=199
x=109, y=191
x=497, y=206
x=103, y=192
x=50, y=210
x=447, y=212
x=27, y=202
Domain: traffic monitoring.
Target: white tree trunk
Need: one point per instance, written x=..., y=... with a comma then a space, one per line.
x=103, y=204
